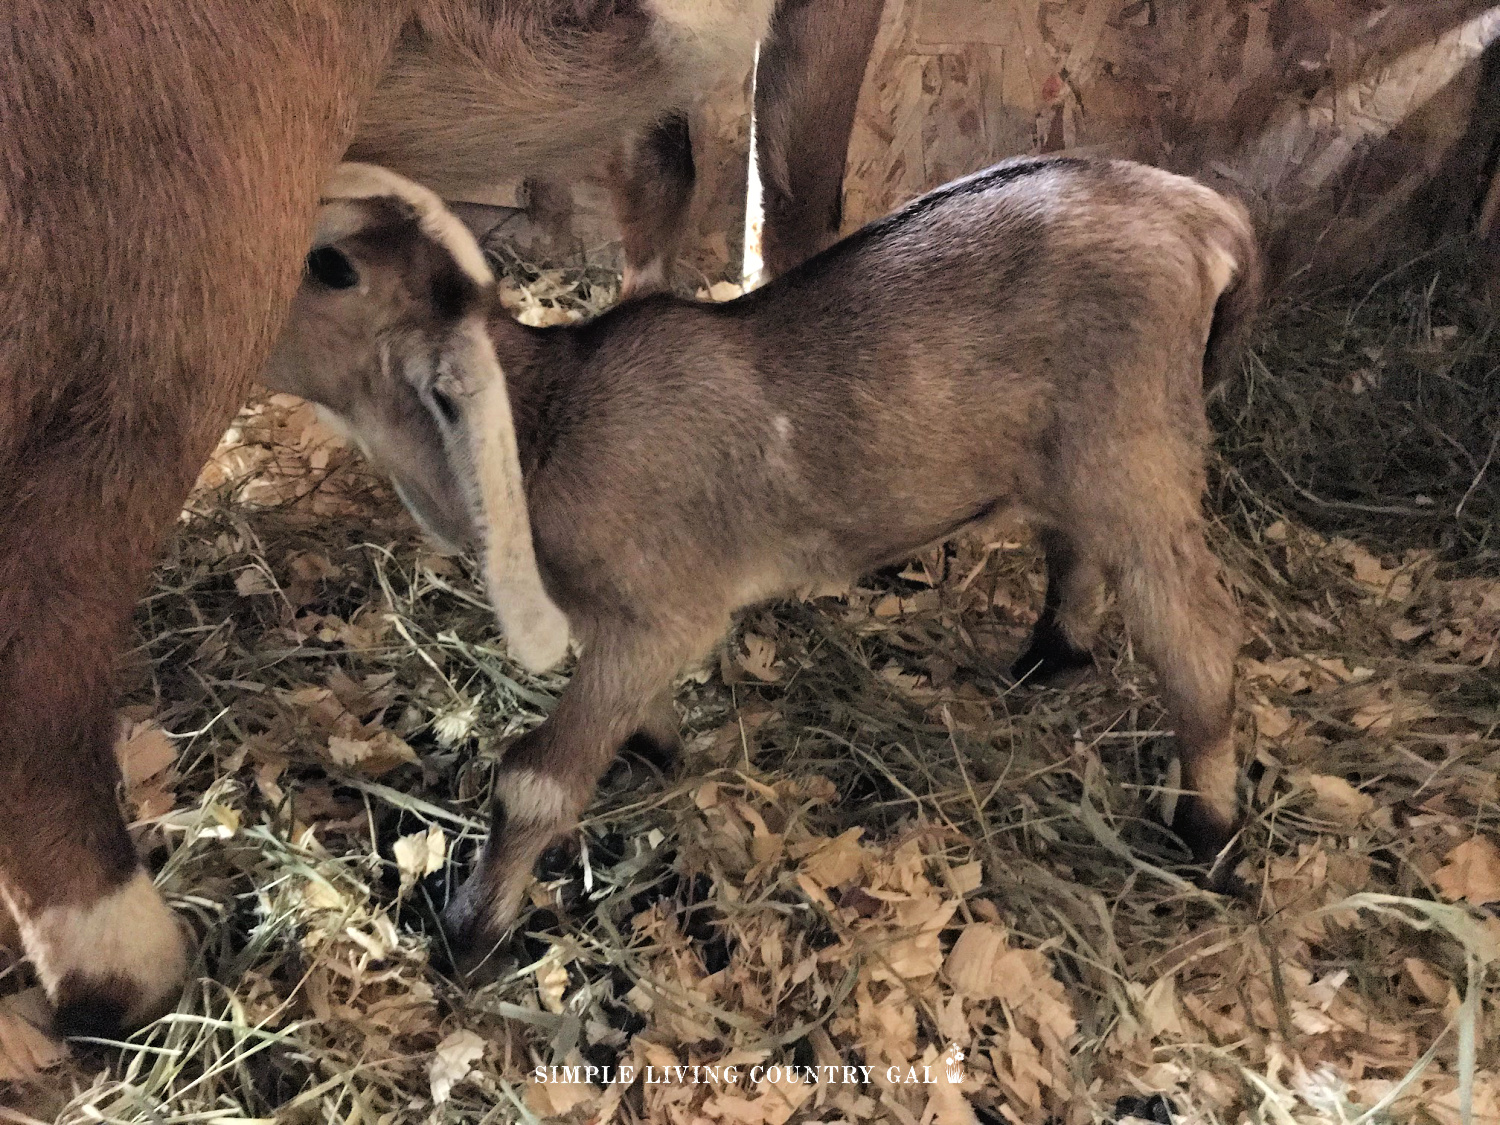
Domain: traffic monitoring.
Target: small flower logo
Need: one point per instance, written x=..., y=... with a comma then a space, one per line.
x=954, y=1061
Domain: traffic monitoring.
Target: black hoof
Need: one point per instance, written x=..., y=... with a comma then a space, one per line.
x=1157, y=1107
x=558, y=861
x=661, y=754
x=1215, y=844
x=1049, y=654
x=94, y=1007
x=644, y=758
x=466, y=952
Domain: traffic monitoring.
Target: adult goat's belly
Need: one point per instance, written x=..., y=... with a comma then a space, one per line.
x=457, y=120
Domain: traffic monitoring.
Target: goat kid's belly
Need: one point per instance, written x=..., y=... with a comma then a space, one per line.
x=854, y=545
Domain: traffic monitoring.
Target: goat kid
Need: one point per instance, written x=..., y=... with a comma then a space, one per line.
x=159, y=172
x=1032, y=337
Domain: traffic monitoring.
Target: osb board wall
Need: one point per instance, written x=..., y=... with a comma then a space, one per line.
x=1326, y=115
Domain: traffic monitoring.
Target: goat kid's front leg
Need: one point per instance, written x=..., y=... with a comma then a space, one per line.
x=549, y=775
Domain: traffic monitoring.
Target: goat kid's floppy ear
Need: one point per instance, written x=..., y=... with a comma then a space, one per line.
x=337, y=220
x=482, y=445
x=483, y=450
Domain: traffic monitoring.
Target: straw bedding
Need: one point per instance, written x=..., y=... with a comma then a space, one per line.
x=878, y=853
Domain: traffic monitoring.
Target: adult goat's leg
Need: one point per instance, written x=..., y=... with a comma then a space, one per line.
x=651, y=186
x=106, y=948
x=153, y=221
x=807, y=83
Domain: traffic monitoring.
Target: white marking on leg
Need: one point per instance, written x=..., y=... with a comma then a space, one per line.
x=335, y=422
x=1214, y=774
x=1171, y=790
x=131, y=934
x=534, y=798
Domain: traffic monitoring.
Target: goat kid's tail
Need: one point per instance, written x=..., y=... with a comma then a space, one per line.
x=1239, y=300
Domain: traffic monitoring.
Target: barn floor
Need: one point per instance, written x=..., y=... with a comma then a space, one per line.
x=877, y=850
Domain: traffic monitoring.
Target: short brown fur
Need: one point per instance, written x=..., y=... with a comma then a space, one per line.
x=1032, y=338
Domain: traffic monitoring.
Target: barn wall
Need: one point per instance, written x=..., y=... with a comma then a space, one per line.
x=1327, y=116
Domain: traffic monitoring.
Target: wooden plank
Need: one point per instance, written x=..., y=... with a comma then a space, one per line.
x=943, y=22
x=953, y=134
x=1279, y=98
x=885, y=165
x=1009, y=124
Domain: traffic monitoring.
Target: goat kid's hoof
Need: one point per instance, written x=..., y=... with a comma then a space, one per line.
x=479, y=921
x=1049, y=656
x=659, y=751
x=1214, y=841
x=475, y=932
x=644, y=759
x=113, y=965
x=530, y=812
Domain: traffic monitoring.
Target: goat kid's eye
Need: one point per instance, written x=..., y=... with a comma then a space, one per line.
x=332, y=268
x=443, y=405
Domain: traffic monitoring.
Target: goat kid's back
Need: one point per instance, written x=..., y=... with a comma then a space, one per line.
x=1016, y=338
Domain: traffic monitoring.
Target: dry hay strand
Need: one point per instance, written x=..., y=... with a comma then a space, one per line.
x=876, y=853
x=1373, y=411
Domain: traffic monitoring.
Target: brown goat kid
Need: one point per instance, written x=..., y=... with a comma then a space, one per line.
x=160, y=167
x=1032, y=337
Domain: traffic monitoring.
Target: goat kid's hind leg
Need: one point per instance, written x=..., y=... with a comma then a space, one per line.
x=651, y=187
x=1188, y=630
x=1064, y=633
x=658, y=740
x=549, y=775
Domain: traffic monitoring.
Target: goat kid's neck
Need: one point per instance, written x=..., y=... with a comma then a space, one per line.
x=534, y=362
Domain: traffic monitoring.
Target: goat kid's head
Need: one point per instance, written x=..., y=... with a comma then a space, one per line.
x=382, y=331
x=387, y=334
